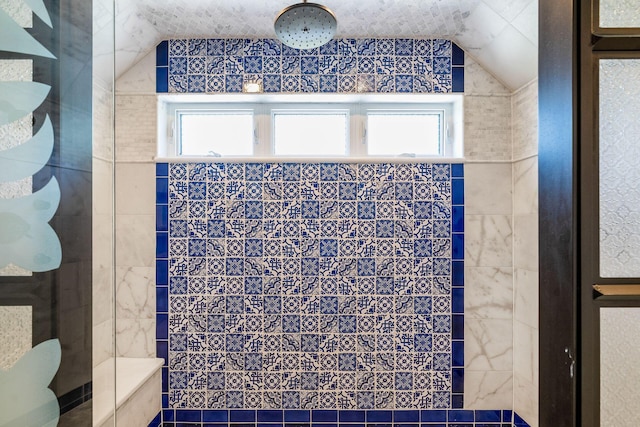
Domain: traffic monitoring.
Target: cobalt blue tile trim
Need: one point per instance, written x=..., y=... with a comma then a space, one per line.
x=157, y=421
x=347, y=418
x=518, y=421
x=343, y=65
x=457, y=75
x=162, y=79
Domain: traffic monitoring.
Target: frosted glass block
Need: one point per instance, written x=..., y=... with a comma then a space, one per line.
x=619, y=373
x=19, y=11
x=619, y=172
x=15, y=334
x=619, y=13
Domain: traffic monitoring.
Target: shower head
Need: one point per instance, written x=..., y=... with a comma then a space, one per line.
x=305, y=25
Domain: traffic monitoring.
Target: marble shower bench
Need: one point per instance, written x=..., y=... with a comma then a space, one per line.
x=137, y=391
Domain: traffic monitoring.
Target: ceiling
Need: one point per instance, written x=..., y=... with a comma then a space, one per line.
x=501, y=35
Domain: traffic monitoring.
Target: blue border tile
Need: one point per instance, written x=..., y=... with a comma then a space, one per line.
x=162, y=79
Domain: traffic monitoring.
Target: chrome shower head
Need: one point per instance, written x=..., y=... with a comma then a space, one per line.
x=305, y=25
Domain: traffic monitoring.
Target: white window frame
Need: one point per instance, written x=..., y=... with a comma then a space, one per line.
x=449, y=107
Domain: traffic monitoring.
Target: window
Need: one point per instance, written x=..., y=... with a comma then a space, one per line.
x=269, y=127
x=215, y=133
x=405, y=132
x=315, y=132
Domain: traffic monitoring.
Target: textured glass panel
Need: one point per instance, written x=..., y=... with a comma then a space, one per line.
x=25, y=397
x=15, y=334
x=619, y=13
x=619, y=373
x=619, y=172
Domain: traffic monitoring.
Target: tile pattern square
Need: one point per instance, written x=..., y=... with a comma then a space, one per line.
x=342, y=65
x=311, y=285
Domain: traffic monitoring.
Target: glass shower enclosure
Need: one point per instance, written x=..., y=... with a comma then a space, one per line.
x=57, y=213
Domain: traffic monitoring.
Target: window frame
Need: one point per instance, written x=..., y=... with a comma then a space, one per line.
x=263, y=106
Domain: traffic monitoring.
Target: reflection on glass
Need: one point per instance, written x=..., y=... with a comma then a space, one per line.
x=619, y=373
x=619, y=13
x=619, y=172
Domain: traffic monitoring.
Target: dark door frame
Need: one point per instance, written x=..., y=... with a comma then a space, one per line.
x=570, y=47
x=558, y=112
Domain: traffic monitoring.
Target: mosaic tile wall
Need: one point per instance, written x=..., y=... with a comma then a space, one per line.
x=303, y=286
x=342, y=65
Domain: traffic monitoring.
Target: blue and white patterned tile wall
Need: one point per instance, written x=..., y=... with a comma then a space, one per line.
x=342, y=65
x=303, y=286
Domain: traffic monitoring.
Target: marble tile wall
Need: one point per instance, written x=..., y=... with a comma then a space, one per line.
x=525, y=253
x=301, y=286
x=102, y=224
x=524, y=107
x=525, y=174
x=135, y=260
x=488, y=286
x=382, y=65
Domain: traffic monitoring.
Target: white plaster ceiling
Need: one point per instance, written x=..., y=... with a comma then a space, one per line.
x=501, y=35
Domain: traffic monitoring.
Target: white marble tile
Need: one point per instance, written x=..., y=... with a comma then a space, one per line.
x=500, y=53
x=527, y=21
x=135, y=337
x=488, y=241
x=135, y=188
x=487, y=188
x=525, y=186
x=102, y=183
x=488, y=390
x=141, y=77
x=526, y=297
x=525, y=351
x=488, y=344
x=478, y=81
x=525, y=400
x=525, y=242
x=102, y=343
x=143, y=406
x=487, y=128
x=509, y=9
x=135, y=240
x=138, y=385
x=524, y=107
x=103, y=123
x=102, y=268
x=136, y=293
x=480, y=27
x=136, y=128
x=488, y=293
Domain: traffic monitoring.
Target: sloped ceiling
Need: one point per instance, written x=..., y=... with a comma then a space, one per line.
x=501, y=35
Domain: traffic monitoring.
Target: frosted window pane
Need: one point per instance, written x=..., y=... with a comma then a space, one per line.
x=619, y=172
x=310, y=134
x=228, y=134
x=619, y=373
x=393, y=134
x=619, y=13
